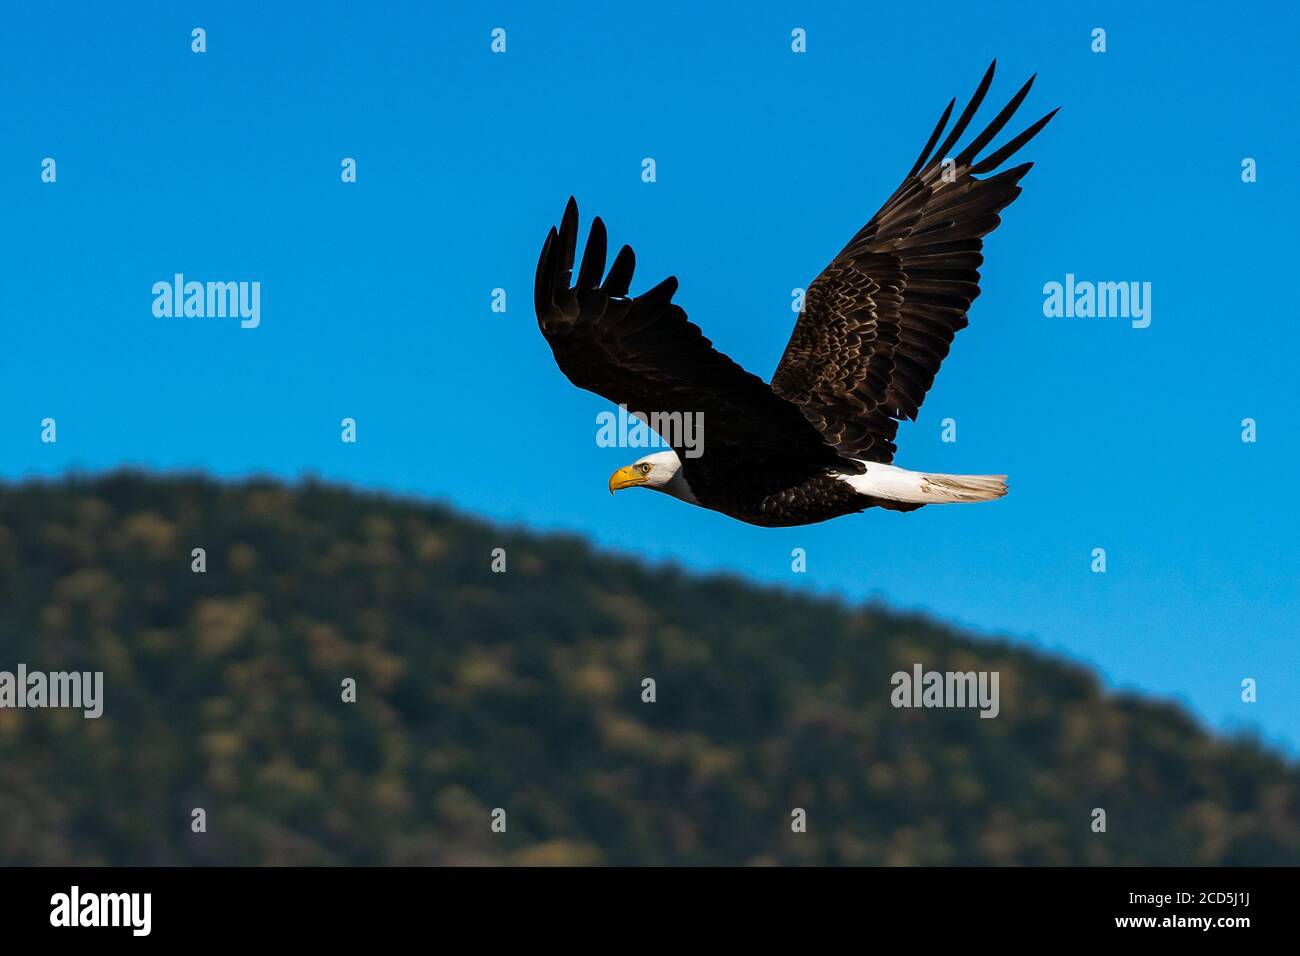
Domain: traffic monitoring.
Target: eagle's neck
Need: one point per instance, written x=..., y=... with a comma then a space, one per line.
x=678, y=488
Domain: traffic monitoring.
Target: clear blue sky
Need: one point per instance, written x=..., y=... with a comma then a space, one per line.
x=376, y=295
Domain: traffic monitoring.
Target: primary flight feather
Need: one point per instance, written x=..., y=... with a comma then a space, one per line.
x=818, y=442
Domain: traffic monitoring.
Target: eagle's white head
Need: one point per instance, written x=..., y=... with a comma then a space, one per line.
x=661, y=471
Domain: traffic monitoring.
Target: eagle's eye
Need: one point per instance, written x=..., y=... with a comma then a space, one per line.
x=645, y=468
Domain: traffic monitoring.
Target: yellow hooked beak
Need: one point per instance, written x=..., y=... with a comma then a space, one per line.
x=625, y=477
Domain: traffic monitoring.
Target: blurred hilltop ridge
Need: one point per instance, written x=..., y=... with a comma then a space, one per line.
x=523, y=690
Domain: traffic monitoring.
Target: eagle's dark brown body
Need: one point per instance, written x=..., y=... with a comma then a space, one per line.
x=779, y=500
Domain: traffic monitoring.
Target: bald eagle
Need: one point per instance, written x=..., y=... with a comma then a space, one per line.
x=818, y=441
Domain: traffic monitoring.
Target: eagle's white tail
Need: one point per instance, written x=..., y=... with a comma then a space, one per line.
x=917, y=487
x=944, y=488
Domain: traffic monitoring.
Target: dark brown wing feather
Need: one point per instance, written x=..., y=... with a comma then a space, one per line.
x=879, y=320
x=644, y=353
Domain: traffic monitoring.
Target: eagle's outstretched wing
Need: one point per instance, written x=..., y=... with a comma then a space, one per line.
x=645, y=354
x=880, y=318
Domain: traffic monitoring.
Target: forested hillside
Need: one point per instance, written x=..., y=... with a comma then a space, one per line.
x=522, y=690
